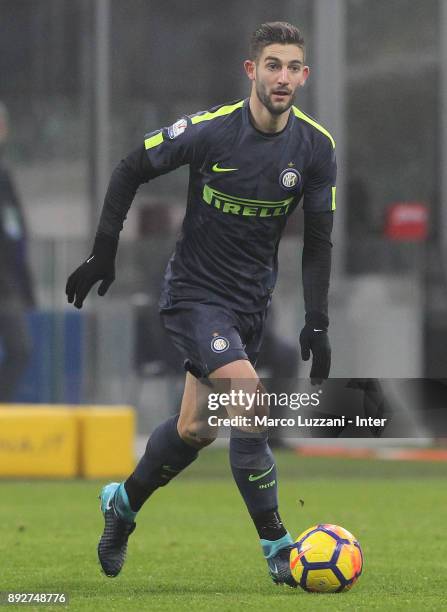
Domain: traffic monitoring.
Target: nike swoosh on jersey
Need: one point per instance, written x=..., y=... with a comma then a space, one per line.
x=216, y=168
x=252, y=477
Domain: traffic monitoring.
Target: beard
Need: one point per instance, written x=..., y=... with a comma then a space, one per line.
x=274, y=108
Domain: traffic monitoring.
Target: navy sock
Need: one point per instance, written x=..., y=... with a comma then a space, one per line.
x=166, y=455
x=254, y=471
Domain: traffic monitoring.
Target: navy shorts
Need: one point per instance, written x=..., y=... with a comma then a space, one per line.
x=209, y=337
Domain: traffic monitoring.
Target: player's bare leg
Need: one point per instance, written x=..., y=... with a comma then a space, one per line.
x=254, y=471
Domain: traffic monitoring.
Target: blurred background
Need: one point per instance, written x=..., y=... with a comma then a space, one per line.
x=82, y=82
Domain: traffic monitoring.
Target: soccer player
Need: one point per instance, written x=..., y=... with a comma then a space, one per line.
x=251, y=162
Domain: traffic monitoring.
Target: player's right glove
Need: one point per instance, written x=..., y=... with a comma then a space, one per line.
x=99, y=266
x=314, y=338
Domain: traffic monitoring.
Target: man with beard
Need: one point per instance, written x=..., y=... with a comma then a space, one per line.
x=251, y=162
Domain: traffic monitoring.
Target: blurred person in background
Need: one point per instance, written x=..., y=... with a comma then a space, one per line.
x=364, y=237
x=16, y=287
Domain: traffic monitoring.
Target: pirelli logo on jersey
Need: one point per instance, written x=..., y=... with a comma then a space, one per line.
x=243, y=207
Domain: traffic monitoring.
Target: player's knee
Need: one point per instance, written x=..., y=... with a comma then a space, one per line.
x=196, y=434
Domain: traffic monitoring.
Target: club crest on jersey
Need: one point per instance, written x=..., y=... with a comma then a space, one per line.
x=290, y=179
x=219, y=344
x=178, y=128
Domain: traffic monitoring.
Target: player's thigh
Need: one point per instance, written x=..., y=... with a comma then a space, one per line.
x=193, y=424
x=235, y=370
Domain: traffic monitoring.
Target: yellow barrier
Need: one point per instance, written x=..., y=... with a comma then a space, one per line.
x=38, y=441
x=63, y=441
x=106, y=438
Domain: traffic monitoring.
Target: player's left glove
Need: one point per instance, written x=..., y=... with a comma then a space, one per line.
x=314, y=338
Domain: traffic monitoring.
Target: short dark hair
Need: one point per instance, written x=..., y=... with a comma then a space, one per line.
x=274, y=32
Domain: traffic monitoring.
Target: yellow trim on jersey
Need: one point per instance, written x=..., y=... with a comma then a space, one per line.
x=154, y=140
x=304, y=117
x=220, y=112
x=334, y=190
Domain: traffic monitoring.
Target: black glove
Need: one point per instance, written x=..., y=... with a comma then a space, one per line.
x=100, y=266
x=313, y=337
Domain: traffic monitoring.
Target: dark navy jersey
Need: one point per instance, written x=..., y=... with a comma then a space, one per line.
x=243, y=185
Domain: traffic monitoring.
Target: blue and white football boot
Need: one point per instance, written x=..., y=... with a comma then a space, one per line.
x=119, y=524
x=277, y=555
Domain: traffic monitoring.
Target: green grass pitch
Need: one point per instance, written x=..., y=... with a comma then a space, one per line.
x=195, y=549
